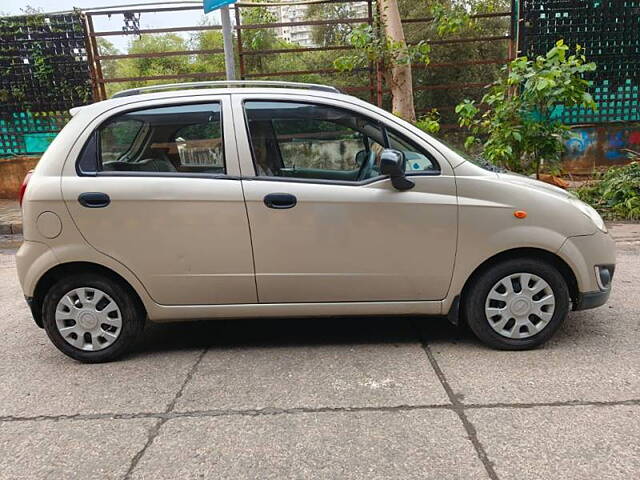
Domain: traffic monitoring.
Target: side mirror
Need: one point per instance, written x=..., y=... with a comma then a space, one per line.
x=393, y=163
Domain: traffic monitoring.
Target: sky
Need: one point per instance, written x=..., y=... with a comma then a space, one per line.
x=104, y=23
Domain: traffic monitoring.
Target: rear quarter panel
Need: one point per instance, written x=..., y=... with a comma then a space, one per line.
x=39, y=254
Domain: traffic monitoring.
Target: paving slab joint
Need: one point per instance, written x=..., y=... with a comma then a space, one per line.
x=271, y=411
x=155, y=429
x=459, y=409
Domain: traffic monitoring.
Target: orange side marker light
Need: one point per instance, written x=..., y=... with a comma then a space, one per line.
x=520, y=214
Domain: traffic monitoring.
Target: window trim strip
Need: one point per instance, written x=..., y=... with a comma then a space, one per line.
x=218, y=176
x=121, y=173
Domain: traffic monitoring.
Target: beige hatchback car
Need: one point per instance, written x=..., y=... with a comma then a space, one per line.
x=215, y=200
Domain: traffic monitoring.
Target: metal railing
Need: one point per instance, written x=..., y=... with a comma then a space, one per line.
x=372, y=76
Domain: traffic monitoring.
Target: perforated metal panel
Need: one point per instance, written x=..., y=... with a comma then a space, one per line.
x=44, y=72
x=609, y=31
x=25, y=132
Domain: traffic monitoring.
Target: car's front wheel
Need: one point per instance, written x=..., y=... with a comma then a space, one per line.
x=92, y=318
x=516, y=304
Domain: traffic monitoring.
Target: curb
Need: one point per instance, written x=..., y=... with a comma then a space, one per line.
x=10, y=228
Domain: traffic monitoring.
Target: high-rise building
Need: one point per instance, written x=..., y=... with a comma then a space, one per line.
x=303, y=34
x=300, y=34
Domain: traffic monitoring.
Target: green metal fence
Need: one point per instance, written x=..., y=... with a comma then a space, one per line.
x=28, y=133
x=45, y=72
x=609, y=31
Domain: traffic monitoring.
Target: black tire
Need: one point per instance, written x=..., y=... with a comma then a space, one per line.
x=475, y=295
x=132, y=313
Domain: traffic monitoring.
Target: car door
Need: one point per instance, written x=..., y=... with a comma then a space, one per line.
x=325, y=226
x=157, y=188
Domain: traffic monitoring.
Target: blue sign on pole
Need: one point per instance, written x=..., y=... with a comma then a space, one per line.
x=211, y=5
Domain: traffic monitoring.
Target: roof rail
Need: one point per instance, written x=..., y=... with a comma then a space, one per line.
x=224, y=83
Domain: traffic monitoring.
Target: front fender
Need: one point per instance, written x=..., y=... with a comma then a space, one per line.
x=474, y=250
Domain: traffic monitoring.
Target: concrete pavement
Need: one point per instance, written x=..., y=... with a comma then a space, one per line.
x=341, y=398
x=10, y=217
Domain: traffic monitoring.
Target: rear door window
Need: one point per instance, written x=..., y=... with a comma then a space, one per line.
x=117, y=138
x=180, y=139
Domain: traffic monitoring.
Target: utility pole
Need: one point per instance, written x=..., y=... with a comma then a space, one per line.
x=227, y=38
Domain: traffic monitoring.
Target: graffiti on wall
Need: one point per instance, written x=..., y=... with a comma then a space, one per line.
x=600, y=146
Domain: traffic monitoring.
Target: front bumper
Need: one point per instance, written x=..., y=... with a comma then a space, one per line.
x=587, y=255
x=582, y=253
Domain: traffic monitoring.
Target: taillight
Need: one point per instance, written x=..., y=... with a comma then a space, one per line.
x=23, y=187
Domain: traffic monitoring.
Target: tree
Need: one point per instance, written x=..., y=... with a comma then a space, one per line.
x=475, y=57
x=521, y=125
x=105, y=47
x=208, y=62
x=257, y=39
x=401, y=80
x=335, y=34
x=385, y=43
x=153, y=66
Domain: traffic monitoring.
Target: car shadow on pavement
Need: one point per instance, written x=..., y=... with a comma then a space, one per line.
x=276, y=333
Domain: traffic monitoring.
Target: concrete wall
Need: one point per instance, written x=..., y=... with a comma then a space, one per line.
x=12, y=172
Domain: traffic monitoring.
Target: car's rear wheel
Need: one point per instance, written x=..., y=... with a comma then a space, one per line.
x=92, y=318
x=516, y=304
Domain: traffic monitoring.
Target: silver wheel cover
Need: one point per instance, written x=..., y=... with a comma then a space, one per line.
x=520, y=305
x=88, y=319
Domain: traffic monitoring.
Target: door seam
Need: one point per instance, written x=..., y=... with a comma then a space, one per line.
x=234, y=121
x=253, y=254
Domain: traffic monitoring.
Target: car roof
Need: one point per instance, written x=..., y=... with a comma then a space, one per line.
x=225, y=84
x=117, y=101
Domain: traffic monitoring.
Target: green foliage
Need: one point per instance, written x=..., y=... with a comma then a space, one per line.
x=430, y=122
x=31, y=62
x=169, y=65
x=335, y=34
x=617, y=194
x=208, y=62
x=448, y=53
x=105, y=47
x=451, y=18
x=146, y=66
x=517, y=117
x=258, y=39
x=373, y=46
x=419, y=34
x=349, y=65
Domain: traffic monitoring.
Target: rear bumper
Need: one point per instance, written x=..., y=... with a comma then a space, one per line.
x=36, y=313
x=587, y=300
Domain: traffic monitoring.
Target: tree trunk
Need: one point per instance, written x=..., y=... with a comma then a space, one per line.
x=400, y=77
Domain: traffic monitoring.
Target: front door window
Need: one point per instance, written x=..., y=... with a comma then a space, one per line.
x=299, y=140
